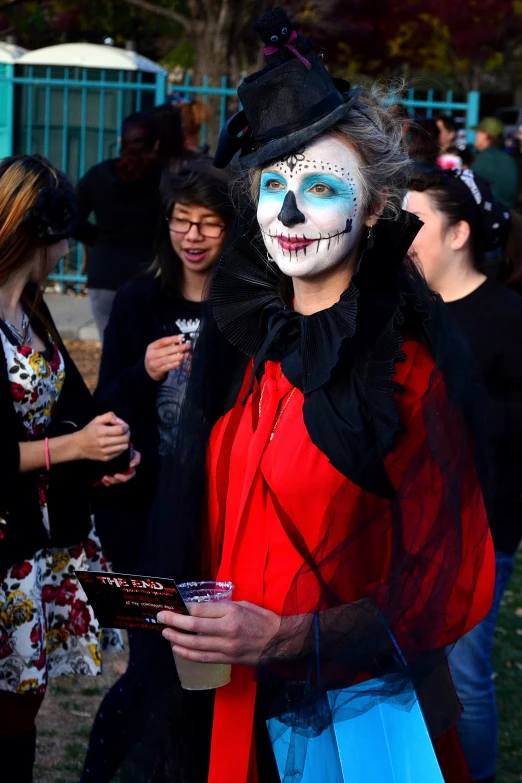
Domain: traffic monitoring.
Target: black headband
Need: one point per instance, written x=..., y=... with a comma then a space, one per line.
x=55, y=214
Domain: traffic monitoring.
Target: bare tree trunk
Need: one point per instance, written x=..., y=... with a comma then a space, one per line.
x=220, y=35
x=476, y=76
x=463, y=76
x=220, y=48
x=217, y=30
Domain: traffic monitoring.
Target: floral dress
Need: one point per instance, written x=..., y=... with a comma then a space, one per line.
x=47, y=628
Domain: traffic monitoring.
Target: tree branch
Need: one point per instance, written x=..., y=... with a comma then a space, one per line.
x=168, y=13
x=6, y=6
x=196, y=9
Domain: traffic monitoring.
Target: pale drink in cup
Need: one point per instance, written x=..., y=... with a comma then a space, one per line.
x=195, y=676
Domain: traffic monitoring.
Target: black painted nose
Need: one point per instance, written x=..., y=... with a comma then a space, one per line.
x=290, y=214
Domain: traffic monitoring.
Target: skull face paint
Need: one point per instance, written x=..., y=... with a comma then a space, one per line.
x=310, y=211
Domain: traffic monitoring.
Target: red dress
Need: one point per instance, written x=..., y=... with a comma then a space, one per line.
x=262, y=463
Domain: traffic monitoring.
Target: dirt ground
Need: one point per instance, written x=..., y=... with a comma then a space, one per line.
x=86, y=356
x=65, y=721
x=66, y=717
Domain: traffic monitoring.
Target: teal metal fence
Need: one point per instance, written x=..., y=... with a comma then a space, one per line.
x=431, y=105
x=73, y=116
x=228, y=101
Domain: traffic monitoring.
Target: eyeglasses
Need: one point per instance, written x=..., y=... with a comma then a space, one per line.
x=182, y=226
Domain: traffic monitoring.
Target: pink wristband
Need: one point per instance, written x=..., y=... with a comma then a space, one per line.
x=47, y=455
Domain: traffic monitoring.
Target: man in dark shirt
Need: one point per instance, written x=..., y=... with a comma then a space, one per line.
x=447, y=132
x=124, y=196
x=493, y=164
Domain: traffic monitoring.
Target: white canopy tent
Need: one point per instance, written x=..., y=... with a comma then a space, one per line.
x=88, y=55
x=10, y=53
x=69, y=101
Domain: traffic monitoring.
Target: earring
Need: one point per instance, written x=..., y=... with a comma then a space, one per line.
x=269, y=258
x=368, y=234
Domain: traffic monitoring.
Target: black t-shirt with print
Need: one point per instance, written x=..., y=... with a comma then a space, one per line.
x=143, y=312
x=171, y=392
x=491, y=317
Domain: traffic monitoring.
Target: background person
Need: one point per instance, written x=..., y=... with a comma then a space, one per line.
x=423, y=144
x=493, y=164
x=194, y=113
x=147, y=348
x=447, y=132
x=171, y=139
x=49, y=440
x=466, y=154
x=516, y=153
x=144, y=374
x=123, y=195
x=450, y=249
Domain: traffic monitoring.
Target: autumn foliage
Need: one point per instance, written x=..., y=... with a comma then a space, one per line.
x=463, y=39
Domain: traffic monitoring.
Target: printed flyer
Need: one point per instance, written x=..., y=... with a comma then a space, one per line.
x=129, y=601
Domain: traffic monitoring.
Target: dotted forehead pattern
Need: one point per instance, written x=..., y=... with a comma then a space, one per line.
x=297, y=162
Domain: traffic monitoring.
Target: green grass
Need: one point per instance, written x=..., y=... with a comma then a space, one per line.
x=83, y=733
x=59, y=689
x=92, y=690
x=70, y=705
x=507, y=664
x=48, y=733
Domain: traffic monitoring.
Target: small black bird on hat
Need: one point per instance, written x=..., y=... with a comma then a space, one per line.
x=281, y=39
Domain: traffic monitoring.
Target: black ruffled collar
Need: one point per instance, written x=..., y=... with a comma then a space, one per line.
x=250, y=312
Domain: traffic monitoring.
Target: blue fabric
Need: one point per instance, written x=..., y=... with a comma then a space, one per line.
x=470, y=664
x=370, y=740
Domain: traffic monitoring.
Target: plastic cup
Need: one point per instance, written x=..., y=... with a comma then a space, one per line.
x=195, y=676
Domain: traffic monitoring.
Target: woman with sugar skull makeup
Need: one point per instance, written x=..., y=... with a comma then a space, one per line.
x=330, y=407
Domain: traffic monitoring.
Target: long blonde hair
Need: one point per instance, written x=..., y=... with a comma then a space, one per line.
x=23, y=180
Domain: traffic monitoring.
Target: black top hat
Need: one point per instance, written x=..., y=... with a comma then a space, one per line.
x=288, y=103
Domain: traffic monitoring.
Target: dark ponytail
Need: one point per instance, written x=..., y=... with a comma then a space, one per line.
x=139, y=142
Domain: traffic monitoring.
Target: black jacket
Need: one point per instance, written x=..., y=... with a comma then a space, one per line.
x=141, y=314
x=122, y=243
x=143, y=311
x=69, y=483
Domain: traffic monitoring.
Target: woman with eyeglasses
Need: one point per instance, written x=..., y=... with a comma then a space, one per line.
x=144, y=371
x=150, y=335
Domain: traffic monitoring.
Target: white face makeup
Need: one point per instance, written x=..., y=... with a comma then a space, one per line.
x=310, y=207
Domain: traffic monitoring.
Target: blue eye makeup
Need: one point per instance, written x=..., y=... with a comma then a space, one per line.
x=326, y=186
x=316, y=189
x=272, y=186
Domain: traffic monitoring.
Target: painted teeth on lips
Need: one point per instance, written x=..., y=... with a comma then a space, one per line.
x=294, y=243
